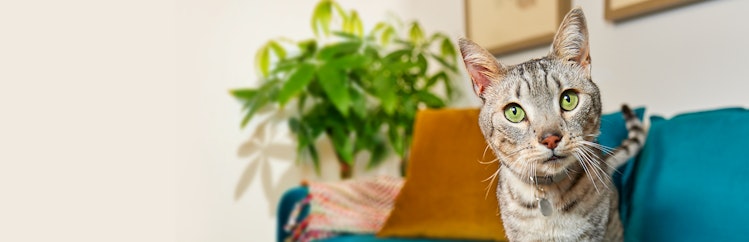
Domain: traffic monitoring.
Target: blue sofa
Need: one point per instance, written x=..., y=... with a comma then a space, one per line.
x=690, y=182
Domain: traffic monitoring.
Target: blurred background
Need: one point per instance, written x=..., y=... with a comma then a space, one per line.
x=684, y=59
x=118, y=124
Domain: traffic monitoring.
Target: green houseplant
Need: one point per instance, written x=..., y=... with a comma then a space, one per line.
x=361, y=90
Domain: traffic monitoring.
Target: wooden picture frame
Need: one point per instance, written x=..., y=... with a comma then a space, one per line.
x=620, y=10
x=506, y=26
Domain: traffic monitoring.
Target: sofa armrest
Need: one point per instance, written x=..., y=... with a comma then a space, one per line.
x=290, y=198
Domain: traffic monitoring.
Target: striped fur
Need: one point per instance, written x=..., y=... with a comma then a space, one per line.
x=551, y=154
x=629, y=146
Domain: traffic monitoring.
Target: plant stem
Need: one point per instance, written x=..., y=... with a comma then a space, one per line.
x=345, y=170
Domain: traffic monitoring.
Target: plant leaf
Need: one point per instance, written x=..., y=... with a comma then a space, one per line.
x=422, y=64
x=338, y=8
x=431, y=100
x=359, y=103
x=346, y=26
x=342, y=145
x=338, y=49
x=450, y=88
x=378, y=27
x=261, y=98
x=277, y=49
x=296, y=82
x=262, y=60
x=415, y=34
x=253, y=106
x=436, y=77
x=336, y=87
x=397, y=61
x=244, y=93
x=444, y=62
x=448, y=50
x=385, y=88
x=387, y=35
x=305, y=142
x=355, y=23
x=349, y=62
x=378, y=152
x=396, y=139
x=347, y=36
x=315, y=157
x=284, y=66
x=307, y=47
x=321, y=17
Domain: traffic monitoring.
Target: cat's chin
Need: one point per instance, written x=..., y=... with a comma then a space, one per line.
x=554, y=158
x=554, y=164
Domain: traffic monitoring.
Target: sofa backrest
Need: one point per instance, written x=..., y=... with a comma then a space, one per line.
x=691, y=180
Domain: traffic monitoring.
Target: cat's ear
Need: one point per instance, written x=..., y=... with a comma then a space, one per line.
x=571, y=40
x=481, y=65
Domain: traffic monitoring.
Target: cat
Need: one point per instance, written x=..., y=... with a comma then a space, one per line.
x=541, y=119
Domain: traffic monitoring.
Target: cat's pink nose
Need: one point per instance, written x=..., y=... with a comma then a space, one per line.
x=551, y=141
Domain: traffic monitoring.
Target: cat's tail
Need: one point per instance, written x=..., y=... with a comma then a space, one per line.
x=630, y=146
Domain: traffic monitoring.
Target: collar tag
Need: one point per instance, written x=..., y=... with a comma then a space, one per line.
x=545, y=206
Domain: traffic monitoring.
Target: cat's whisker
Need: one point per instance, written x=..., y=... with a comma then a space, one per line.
x=485, y=149
x=603, y=148
x=493, y=177
x=585, y=167
x=533, y=173
x=599, y=172
x=590, y=145
x=518, y=150
x=567, y=172
x=489, y=162
x=592, y=162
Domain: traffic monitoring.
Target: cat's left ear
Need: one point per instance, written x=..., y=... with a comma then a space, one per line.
x=571, y=40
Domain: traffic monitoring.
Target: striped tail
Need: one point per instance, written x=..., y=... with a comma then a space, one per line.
x=629, y=146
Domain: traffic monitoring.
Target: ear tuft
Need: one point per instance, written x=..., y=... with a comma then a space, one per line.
x=571, y=40
x=481, y=65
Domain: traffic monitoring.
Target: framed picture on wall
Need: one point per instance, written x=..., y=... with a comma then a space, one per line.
x=505, y=26
x=619, y=10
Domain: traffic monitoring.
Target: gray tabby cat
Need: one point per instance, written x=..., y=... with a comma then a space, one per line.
x=541, y=118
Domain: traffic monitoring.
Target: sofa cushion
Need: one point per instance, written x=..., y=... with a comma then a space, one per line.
x=444, y=196
x=691, y=180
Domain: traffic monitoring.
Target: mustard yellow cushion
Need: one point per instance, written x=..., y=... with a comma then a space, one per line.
x=444, y=196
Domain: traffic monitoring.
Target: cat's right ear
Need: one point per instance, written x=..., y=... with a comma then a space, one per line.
x=481, y=65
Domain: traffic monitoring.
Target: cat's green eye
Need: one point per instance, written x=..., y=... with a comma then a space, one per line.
x=569, y=100
x=514, y=113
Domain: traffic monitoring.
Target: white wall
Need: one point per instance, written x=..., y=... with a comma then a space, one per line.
x=87, y=120
x=685, y=59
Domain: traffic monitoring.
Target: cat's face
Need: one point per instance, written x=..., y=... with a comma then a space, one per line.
x=540, y=116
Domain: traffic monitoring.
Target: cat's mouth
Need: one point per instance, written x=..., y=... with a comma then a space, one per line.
x=554, y=158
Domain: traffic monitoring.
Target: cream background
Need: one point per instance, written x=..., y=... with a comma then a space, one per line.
x=88, y=121
x=116, y=124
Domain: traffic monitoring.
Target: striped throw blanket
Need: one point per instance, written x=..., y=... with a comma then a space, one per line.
x=351, y=206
